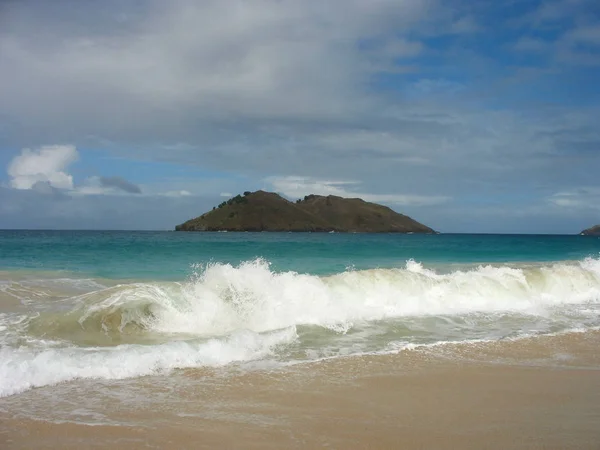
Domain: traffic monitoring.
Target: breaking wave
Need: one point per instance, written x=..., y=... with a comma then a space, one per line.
x=224, y=298
x=238, y=313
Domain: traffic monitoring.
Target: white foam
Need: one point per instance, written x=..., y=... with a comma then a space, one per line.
x=236, y=313
x=23, y=368
x=224, y=298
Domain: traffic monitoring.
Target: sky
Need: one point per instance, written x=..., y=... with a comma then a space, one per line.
x=469, y=116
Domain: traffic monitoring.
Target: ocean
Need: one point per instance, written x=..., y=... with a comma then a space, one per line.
x=121, y=330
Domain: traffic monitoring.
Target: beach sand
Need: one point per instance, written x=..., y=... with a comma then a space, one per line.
x=539, y=393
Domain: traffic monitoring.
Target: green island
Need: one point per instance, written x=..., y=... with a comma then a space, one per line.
x=268, y=211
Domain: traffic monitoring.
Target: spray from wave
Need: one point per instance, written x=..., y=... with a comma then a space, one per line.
x=238, y=313
x=223, y=298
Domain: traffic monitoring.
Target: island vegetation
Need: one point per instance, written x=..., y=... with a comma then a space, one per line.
x=268, y=211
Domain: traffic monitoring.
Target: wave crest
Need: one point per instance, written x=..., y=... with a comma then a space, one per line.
x=239, y=313
x=222, y=298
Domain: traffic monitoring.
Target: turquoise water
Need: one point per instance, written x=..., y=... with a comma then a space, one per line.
x=170, y=255
x=113, y=305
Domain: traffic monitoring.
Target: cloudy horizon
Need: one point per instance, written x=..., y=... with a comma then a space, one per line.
x=468, y=117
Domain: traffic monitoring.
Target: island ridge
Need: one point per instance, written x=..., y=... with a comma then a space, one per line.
x=268, y=211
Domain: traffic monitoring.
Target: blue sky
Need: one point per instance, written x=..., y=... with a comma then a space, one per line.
x=468, y=116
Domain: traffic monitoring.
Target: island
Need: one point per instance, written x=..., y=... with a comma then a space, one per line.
x=593, y=231
x=268, y=211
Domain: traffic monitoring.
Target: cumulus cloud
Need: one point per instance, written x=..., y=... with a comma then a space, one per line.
x=397, y=96
x=216, y=59
x=48, y=165
x=45, y=170
x=297, y=187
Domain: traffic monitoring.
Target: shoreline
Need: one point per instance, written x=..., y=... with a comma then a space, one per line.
x=487, y=396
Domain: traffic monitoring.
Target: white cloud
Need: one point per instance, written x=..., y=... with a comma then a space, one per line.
x=402, y=147
x=181, y=193
x=219, y=59
x=298, y=187
x=45, y=170
x=48, y=164
x=248, y=89
x=584, y=198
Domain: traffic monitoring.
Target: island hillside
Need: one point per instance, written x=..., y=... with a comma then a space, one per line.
x=267, y=211
x=593, y=231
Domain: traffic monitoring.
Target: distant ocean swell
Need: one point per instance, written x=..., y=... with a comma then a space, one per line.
x=228, y=314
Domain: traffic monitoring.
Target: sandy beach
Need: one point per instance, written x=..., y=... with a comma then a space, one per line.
x=485, y=396
x=299, y=224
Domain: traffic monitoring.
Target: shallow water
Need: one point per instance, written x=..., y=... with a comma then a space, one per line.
x=90, y=319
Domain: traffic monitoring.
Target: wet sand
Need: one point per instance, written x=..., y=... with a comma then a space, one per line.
x=531, y=394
